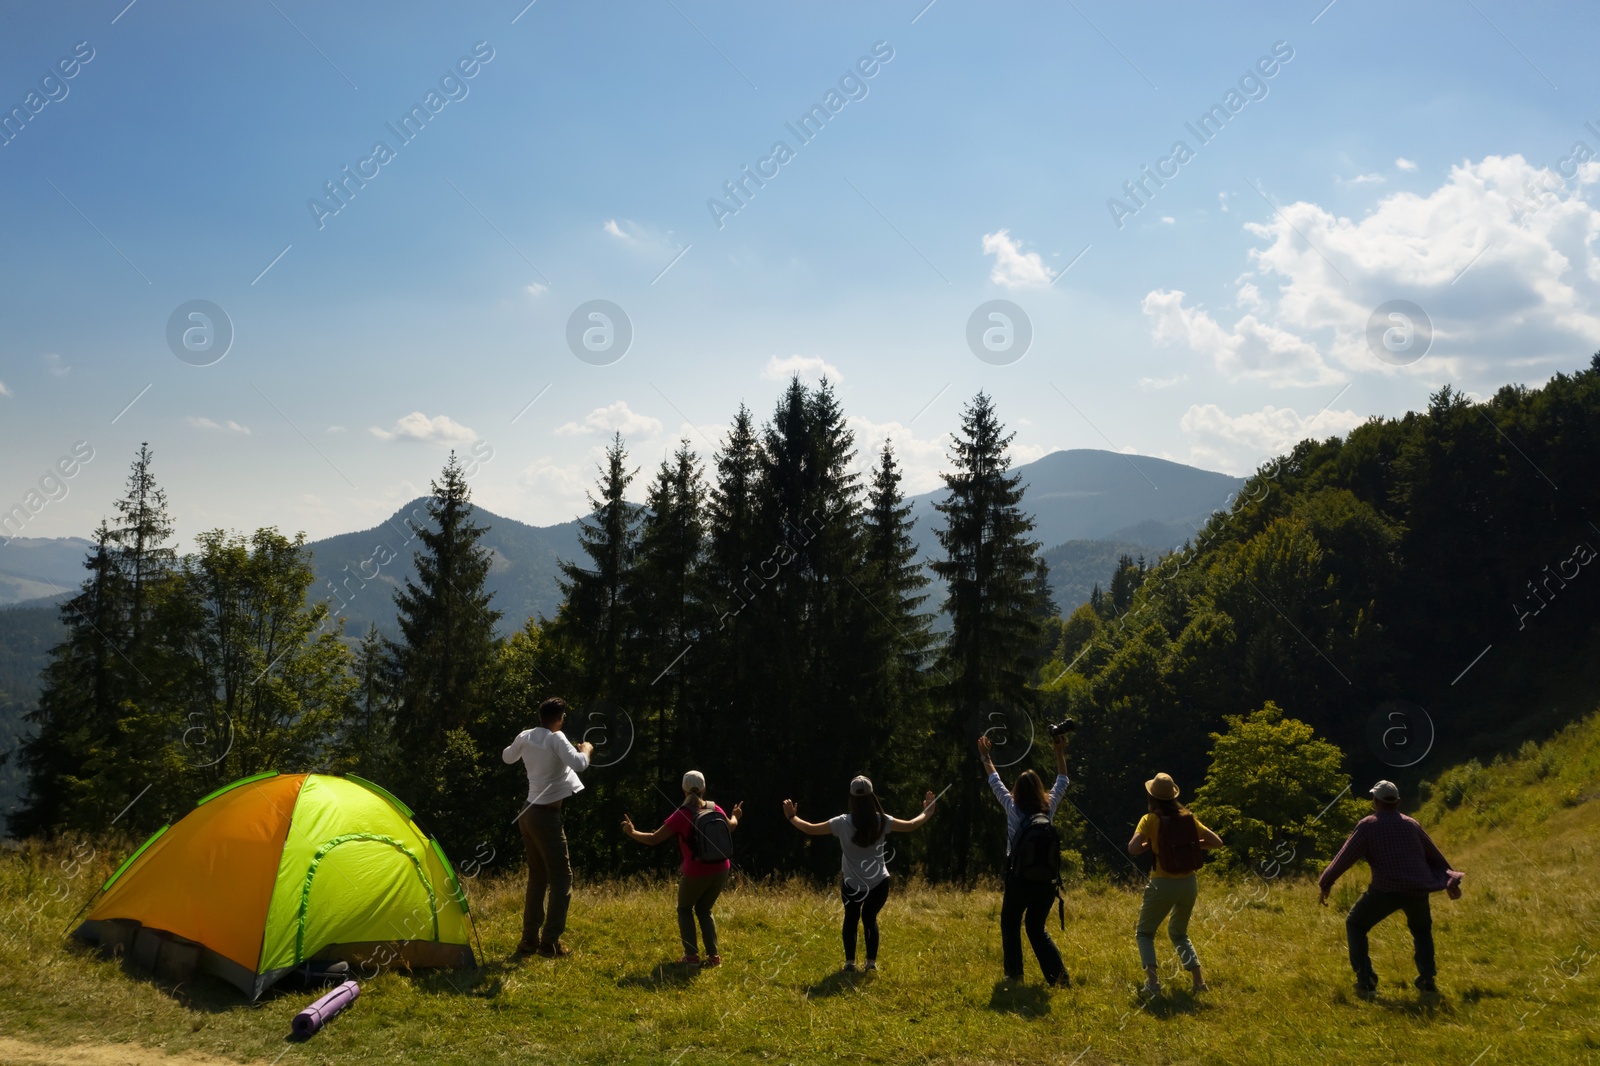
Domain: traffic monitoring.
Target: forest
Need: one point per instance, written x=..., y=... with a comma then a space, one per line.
x=764, y=618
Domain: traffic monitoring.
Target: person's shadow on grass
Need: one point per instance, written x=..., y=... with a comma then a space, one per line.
x=840, y=981
x=1173, y=1003
x=664, y=975
x=1014, y=997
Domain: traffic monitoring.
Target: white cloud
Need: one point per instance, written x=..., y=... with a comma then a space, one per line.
x=1162, y=383
x=809, y=367
x=441, y=429
x=1014, y=268
x=337, y=429
x=1250, y=350
x=3, y=390
x=1168, y=219
x=1405, y=164
x=536, y=290
x=1222, y=201
x=1363, y=179
x=1498, y=294
x=1239, y=443
x=615, y=418
x=56, y=365
x=615, y=230
x=920, y=460
x=1509, y=278
x=559, y=493
x=206, y=423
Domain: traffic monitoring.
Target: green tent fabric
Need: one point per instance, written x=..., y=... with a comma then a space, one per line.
x=279, y=869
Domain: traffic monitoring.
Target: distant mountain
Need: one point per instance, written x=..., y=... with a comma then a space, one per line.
x=358, y=573
x=35, y=567
x=1090, y=494
x=1077, y=566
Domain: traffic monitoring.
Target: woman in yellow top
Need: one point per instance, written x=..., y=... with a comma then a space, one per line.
x=1173, y=887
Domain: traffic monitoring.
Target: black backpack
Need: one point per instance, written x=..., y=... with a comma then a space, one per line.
x=1036, y=853
x=712, y=840
x=1036, y=857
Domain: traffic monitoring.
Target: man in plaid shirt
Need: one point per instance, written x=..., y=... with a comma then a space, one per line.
x=1406, y=867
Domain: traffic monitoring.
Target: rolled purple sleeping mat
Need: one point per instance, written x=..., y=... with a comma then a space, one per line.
x=319, y=1013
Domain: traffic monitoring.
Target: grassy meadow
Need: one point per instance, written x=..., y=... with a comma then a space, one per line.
x=1519, y=969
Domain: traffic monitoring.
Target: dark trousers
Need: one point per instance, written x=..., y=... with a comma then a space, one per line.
x=1372, y=908
x=695, y=897
x=862, y=905
x=1027, y=904
x=549, y=869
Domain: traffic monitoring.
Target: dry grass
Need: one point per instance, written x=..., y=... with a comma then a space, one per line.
x=1518, y=971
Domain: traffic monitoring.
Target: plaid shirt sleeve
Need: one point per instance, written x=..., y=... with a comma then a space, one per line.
x=1354, y=847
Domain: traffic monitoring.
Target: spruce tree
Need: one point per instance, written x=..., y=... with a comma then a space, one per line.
x=444, y=660
x=665, y=616
x=993, y=598
x=594, y=613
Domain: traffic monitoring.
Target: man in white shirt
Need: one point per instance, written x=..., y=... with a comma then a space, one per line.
x=553, y=763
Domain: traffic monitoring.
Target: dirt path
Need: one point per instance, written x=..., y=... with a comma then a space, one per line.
x=24, y=1053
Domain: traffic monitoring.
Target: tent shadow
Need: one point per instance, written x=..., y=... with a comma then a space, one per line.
x=664, y=975
x=1014, y=997
x=840, y=981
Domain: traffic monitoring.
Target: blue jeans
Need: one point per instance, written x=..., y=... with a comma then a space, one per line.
x=1164, y=895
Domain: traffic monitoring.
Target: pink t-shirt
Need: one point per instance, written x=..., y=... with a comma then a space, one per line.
x=681, y=823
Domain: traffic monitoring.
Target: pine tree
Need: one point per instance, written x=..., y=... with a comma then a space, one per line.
x=594, y=613
x=103, y=727
x=445, y=659
x=896, y=639
x=665, y=615
x=993, y=599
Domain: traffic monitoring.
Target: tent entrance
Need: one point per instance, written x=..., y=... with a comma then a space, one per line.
x=375, y=889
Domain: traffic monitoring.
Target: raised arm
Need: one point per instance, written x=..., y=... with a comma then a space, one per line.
x=1061, y=754
x=661, y=834
x=735, y=814
x=815, y=829
x=906, y=825
x=513, y=750
x=575, y=757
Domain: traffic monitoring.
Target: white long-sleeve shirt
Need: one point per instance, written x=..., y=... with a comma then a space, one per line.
x=1014, y=817
x=553, y=764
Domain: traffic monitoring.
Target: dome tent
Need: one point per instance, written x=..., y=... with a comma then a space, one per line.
x=278, y=869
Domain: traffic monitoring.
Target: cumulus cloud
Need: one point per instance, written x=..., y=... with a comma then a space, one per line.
x=615, y=418
x=615, y=230
x=536, y=290
x=207, y=423
x=1405, y=164
x=1502, y=257
x=1249, y=350
x=56, y=365
x=556, y=493
x=416, y=426
x=809, y=367
x=1239, y=443
x=921, y=460
x=1013, y=268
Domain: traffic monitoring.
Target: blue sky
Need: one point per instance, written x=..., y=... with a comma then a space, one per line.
x=1398, y=154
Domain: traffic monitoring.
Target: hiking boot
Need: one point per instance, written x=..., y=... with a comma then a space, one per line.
x=1366, y=984
x=872, y=964
x=557, y=950
x=1062, y=980
x=524, y=950
x=1426, y=986
x=713, y=960
x=689, y=960
x=1152, y=988
x=849, y=967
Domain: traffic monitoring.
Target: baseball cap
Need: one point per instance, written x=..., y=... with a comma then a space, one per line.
x=860, y=786
x=694, y=781
x=1387, y=791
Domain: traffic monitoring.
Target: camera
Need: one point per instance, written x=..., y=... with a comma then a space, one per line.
x=1063, y=727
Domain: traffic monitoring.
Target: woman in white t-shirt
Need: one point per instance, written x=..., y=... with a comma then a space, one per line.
x=865, y=885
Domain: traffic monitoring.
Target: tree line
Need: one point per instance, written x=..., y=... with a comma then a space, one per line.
x=763, y=617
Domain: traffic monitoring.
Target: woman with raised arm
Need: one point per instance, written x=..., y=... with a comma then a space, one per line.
x=864, y=887
x=704, y=832
x=1030, y=811
x=1178, y=840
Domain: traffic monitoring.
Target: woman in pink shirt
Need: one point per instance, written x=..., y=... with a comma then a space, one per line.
x=704, y=837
